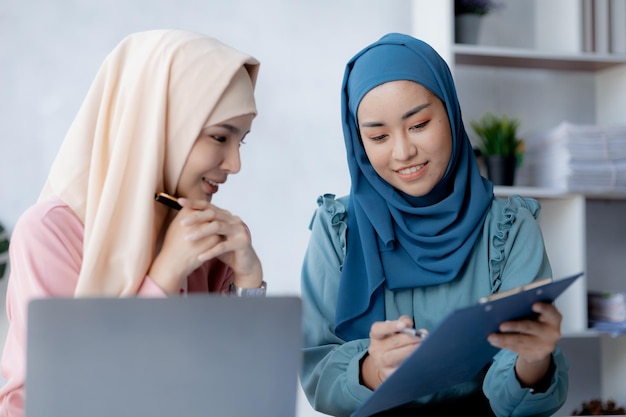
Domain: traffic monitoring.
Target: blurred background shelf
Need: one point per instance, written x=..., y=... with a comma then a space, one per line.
x=545, y=63
x=495, y=56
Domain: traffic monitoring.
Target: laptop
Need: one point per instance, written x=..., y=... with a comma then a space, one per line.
x=200, y=355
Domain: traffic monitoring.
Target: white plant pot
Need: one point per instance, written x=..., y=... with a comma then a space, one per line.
x=467, y=28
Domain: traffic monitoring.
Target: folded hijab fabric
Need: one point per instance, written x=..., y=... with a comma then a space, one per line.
x=130, y=139
x=396, y=240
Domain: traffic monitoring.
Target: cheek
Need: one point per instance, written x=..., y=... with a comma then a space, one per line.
x=191, y=165
x=197, y=164
x=443, y=149
x=444, y=144
x=376, y=156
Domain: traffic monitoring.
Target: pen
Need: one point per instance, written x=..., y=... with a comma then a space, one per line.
x=168, y=200
x=414, y=332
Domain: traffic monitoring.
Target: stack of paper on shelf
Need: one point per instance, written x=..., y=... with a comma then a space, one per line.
x=581, y=158
x=607, y=306
x=607, y=311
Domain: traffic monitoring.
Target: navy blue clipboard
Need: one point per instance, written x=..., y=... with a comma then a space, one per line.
x=457, y=349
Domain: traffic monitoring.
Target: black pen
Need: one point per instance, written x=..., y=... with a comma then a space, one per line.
x=168, y=200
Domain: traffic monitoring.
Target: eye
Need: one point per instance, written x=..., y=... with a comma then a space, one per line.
x=242, y=141
x=419, y=125
x=220, y=139
x=378, y=138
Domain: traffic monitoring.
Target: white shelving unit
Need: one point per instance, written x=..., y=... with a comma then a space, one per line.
x=565, y=246
x=529, y=63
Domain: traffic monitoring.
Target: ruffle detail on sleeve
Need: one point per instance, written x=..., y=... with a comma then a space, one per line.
x=505, y=221
x=336, y=210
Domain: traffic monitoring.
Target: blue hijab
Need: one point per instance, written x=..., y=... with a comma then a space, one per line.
x=394, y=239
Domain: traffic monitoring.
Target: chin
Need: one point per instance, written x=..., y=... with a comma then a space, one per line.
x=420, y=192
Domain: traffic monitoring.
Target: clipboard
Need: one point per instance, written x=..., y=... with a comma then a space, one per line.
x=457, y=349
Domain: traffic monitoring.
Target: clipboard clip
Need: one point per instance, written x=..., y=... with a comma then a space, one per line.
x=521, y=288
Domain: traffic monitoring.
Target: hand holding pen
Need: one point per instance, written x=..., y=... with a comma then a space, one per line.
x=421, y=333
x=391, y=341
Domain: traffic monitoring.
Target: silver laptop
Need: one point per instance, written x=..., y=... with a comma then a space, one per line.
x=201, y=355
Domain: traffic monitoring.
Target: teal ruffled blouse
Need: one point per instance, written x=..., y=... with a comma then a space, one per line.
x=509, y=252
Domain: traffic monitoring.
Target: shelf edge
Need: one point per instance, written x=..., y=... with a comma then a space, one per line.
x=528, y=58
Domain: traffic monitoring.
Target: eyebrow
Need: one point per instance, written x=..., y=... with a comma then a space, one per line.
x=404, y=116
x=232, y=129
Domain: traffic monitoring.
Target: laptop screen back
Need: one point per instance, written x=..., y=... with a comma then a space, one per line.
x=201, y=355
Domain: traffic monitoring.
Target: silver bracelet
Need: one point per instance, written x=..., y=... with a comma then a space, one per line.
x=248, y=292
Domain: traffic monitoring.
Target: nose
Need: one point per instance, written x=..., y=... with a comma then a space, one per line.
x=403, y=148
x=232, y=159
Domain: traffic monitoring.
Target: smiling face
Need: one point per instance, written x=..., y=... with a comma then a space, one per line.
x=214, y=156
x=406, y=135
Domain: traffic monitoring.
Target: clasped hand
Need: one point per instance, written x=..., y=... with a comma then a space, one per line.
x=201, y=231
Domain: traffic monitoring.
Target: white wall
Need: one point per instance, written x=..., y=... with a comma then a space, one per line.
x=50, y=51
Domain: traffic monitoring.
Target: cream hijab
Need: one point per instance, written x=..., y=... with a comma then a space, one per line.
x=130, y=139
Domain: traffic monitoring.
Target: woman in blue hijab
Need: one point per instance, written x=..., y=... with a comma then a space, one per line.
x=419, y=236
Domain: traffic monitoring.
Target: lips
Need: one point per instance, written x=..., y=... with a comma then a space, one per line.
x=211, y=186
x=410, y=170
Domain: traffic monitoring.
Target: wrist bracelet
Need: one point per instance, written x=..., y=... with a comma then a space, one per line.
x=248, y=292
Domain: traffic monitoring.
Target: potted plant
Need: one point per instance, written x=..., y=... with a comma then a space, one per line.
x=500, y=147
x=479, y=7
x=468, y=15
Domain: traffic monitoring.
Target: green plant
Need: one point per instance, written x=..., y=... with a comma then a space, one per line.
x=498, y=135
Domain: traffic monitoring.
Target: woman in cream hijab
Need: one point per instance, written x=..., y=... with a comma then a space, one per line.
x=167, y=112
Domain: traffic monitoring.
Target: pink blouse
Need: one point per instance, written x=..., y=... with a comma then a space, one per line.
x=45, y=257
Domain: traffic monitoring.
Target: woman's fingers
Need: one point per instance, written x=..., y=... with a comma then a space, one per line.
x=390, y=345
